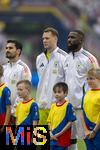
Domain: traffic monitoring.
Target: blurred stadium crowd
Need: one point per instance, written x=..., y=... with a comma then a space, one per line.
x=25, y=20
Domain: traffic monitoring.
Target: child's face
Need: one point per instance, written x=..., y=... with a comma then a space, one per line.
x=93, y=82
x=59, y=94
x=22, y=91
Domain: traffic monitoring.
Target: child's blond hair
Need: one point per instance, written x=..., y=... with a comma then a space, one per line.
x=27, y=83
x=94, y=73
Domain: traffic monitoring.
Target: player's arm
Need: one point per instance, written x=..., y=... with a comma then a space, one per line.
x=49, y=122
x=8, y=113
x=96, y=128
x=71, y=118
x=69, y=124
x=6, y=97
x=34, y=114
x=35, y=123
x=26, y=73
x=50, y=131
x=7, y=117
x=92, y=62
x=94, y=131
x=87, y=132
x=53, y=137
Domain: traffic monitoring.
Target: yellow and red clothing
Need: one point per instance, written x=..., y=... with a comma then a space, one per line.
x=4, y=101
x=58, y=118
x=91, y=108
x=91, y=111
x=26, y=112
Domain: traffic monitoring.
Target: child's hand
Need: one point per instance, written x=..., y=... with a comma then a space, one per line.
x=54, y=138
x=92, y=134
x=87, y=133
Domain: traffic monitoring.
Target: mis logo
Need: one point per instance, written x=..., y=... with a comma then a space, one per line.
x=26, y=136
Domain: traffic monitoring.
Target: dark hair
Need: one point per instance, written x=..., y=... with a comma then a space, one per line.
x=80, y=33
x=1, y=70
x=52, y=30
x=61, y=85
x=27, y=84
x=17, y=44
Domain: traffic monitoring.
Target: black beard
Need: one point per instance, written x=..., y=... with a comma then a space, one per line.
x=73, y=48
x=9, y=56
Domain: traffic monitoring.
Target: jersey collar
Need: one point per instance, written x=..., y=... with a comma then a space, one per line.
x=58, y=105
x=78, y=52
x=12, y=64
x=24, y=102
x=2, y=84
x=95, y=89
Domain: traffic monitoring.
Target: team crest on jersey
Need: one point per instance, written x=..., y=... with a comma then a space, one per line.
x=42, y=65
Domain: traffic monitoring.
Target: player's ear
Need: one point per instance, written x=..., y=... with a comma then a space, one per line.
x=19, y=52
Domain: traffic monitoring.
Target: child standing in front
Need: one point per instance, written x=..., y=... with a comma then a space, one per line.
x=91, y=111
x=27, y=110
x=60, y=119
x=5, y=104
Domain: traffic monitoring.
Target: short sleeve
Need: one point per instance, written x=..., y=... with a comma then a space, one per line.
x=6, y=96
x=70, y=113
x=34, y=110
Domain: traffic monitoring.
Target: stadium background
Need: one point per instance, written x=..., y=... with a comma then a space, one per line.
x=25, y=20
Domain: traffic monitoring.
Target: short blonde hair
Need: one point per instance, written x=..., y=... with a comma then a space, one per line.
x=94, y=73
x=27, y=84
x=52, y=30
